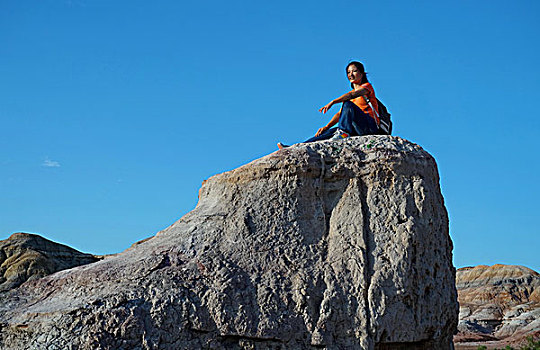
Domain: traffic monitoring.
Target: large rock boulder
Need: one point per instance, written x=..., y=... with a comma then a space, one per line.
x=335, y=245
x=26, y=256
x=499, y=305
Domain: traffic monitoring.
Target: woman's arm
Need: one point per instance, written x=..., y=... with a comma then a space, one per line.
x=331, y=123
x=348, y=96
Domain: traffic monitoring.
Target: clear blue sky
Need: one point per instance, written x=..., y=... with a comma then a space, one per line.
x=113, y=112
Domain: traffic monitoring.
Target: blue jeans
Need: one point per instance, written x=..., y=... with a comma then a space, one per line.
x=353, y=121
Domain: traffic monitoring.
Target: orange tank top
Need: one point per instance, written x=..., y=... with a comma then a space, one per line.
x=361, y=102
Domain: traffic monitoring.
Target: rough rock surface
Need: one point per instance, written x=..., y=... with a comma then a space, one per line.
x=499, y=305
x=26, y=256
x=332, y=245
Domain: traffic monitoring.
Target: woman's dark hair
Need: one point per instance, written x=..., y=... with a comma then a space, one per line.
x=360, y=67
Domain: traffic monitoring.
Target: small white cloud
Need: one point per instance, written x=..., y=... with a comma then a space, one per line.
x=48, y=163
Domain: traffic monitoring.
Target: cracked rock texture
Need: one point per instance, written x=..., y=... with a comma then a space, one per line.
x=499, y=305
x=329, y=245
x=26, y=256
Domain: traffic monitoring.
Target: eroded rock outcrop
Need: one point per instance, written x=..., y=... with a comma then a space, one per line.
x=336, y=245
x=499, y=305
x=26, y=256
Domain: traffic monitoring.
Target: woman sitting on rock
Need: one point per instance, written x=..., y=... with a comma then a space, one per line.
x=356, y=118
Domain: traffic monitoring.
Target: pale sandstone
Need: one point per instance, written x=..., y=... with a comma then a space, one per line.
x=332, y=245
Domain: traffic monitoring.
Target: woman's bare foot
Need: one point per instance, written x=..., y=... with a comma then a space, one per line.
x=281, y=146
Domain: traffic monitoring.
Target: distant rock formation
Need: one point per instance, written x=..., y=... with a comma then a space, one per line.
x=499, y=305
x=26, y=256
x=329, y=245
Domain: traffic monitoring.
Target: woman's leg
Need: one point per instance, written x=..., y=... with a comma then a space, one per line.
x=324, y=136
x=355, y=122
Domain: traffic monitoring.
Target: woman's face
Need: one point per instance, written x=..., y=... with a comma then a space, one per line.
x=354, y=74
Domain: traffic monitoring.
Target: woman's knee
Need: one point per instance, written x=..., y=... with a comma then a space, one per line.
x=347, y=105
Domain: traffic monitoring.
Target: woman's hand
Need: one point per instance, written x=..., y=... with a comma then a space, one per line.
x=321, y=130
x=324, y=109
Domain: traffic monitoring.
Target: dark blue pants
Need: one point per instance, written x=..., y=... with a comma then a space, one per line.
x=353, y=121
